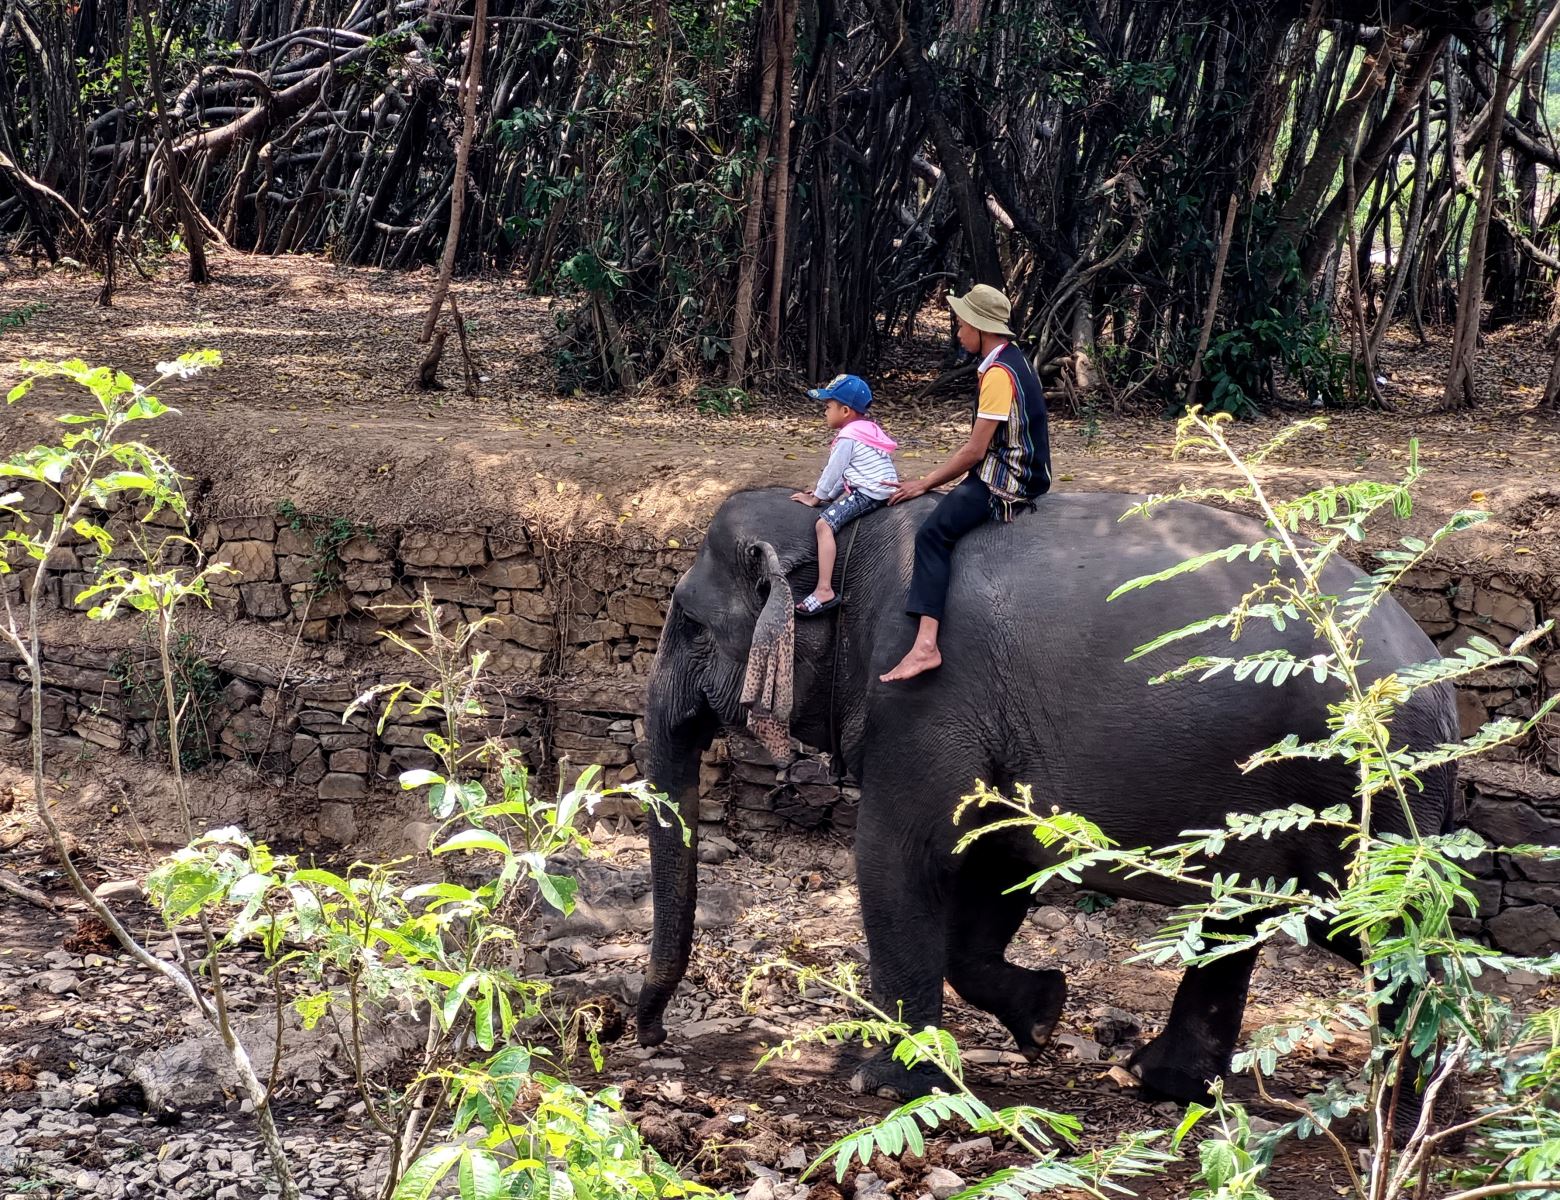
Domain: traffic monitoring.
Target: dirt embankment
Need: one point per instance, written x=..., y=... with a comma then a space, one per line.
x=314, y=405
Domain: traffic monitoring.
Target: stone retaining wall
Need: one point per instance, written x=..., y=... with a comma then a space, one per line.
x=572, y=631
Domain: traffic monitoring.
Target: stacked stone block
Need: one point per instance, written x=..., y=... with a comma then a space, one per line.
x=571, y=632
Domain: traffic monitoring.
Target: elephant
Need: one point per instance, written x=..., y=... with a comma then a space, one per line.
x=1035, y=688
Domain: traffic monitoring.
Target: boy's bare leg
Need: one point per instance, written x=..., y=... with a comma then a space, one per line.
x=923, y=656
x=826, y=551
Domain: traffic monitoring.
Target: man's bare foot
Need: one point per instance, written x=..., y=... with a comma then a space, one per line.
x=920, y=660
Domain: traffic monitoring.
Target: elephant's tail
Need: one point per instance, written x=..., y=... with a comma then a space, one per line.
x=1455, y=809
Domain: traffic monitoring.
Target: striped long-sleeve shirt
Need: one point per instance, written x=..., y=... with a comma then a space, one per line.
x=865, y=468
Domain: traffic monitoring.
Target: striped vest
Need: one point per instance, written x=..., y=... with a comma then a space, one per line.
x=1017, y=466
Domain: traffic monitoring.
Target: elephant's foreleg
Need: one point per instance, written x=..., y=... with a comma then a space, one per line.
x=1200, y=1036
x=904, y=889
x=982, y=922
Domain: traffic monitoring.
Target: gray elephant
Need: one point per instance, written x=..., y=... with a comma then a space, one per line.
x=1035, y=688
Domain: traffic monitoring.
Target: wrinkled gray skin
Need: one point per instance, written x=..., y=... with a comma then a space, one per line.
x=1034, y=688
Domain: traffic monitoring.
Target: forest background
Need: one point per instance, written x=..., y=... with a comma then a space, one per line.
x=1229, y=203
x=1202, y=199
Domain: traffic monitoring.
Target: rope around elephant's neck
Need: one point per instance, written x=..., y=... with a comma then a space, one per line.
x=835, y=755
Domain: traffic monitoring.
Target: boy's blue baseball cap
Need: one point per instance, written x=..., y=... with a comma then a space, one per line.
x=850, y=390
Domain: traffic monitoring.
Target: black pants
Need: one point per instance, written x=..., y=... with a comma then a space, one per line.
x=960, y=511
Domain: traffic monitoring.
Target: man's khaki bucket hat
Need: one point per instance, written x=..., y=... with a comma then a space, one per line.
x=985, y=308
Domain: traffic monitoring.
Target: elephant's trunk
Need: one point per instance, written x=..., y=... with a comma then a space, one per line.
x=681, y=721
x=674, y=874
x=679, y=725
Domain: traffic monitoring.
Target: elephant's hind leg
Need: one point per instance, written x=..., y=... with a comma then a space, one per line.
x=981, y=925
x=1200, y=1036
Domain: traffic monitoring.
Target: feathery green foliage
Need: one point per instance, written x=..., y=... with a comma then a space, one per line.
x=1035, y=1131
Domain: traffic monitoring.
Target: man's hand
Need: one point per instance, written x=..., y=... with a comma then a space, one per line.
x=964, y=459
x=908, y=489
x=806, y=498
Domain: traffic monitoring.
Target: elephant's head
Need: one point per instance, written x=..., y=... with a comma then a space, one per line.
x=725, y=659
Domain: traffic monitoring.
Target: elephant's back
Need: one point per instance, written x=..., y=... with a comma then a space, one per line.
x=1062, y=562
x=1039, y=684
x=1086, y=532
x=1032, y=597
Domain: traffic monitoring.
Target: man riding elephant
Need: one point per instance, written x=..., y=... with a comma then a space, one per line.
x=1007, y=457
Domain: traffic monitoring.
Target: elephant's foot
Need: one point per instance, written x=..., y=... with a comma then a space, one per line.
x=1038, y=1012
x=1028, y=1002
x=1174, y=1069
x=650, y=1010
x=880, y=1075
x=650, y=1018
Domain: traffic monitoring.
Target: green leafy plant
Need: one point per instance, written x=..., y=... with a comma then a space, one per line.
x=1275, y=324
x=538, y=1135
x=101, y=86
x=722, y=401
x=197, y=689
x=64, y=489
x=330, y=534
x=17, y=317
x=374, y=939
x=1089, y=424
x=1416, y=1002
x=1046, y=1137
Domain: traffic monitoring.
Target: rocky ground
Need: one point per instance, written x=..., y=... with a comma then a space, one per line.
x=109, y=1089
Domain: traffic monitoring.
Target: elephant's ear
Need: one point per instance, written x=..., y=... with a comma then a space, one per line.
x=766, y=688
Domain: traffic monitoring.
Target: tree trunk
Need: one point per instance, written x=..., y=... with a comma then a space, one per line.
x=1416, y=214
x=1373, y=153
x=1518, y=302
x=1332, y=143
x=39, y=200
x=473, y=86
x=747, y=265
x=1460, y=392
x=1551, y=400
x=975, y=221
x=194, y=236
x=782, y=185
x=1276, y=91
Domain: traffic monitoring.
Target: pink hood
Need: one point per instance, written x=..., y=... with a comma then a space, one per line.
x=868, y=433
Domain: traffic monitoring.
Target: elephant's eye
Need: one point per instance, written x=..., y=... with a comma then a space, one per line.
x=685, y=623
x=697, y=635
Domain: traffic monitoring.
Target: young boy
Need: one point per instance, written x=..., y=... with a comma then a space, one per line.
x=858, y=478
x=1008, y=457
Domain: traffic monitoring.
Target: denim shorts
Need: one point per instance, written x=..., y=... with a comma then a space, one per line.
x=847, y=507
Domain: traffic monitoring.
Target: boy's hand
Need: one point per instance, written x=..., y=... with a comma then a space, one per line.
x=806, y=498
x=907, y=489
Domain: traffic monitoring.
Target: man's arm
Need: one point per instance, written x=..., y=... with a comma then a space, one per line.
x=965, y=458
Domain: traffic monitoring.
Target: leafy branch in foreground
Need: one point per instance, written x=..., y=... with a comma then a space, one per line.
x=1034, y=1131
x=479, y=1111
x=1417, y=1001
x=63, y=489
